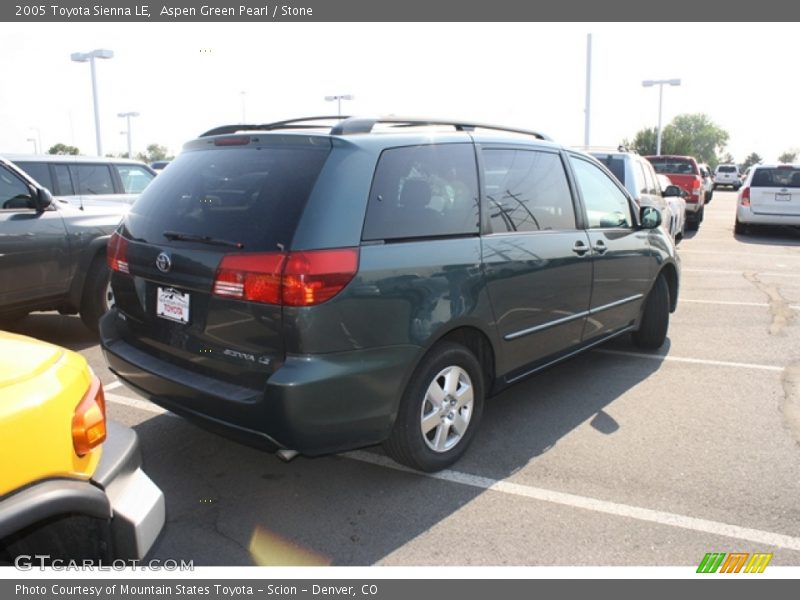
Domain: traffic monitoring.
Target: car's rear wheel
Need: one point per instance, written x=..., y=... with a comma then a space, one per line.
x=655, y=319
x=739, y=227
x=97, y=296
x=440, y=410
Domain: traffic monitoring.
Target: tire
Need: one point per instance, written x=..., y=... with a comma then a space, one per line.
x=97, y=297
x=655, y=319
x=446, y=389
x=692, y=223
x=739, y=227
x=709, y=196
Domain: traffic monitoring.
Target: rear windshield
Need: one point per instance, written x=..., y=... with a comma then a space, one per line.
x=673, y=166
x=778, y=177
x=252, y=196
x=726, y=169
x=615, y=164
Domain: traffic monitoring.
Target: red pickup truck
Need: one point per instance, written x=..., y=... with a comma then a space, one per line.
x=684, y=172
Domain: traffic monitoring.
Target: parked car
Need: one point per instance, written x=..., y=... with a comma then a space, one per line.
x=85, y=180
x=770, y=196
x=71, y=486
x=684, y=172
x=728, y=176
x=52, y=256
x=159, y=165
x=675, y=198
x=308, y=288
x=636, y=174
x=708, y=181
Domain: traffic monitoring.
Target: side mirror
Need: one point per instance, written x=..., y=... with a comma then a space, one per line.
x=672, y=191
x=43, y=199
x=650, y=217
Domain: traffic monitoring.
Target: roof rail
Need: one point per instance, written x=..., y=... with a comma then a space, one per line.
x=346, y=125
x=365, y=125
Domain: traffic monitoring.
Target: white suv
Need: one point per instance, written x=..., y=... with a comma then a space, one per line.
x=727, y=175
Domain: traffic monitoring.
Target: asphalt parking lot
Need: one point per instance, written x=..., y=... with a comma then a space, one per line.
x=616, y=457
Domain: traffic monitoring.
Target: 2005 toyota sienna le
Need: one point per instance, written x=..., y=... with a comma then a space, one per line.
x=317, y=285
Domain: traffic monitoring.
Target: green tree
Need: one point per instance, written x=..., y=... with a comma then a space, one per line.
x=689, y=134
x=752, y=159
x=727, y=159
x=789, y=156
x=63, y=149
x=154, y=152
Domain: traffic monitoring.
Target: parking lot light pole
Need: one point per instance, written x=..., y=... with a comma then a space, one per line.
x=127, y=116
x=660, y=83
x=89, y=57
x=339, y=101
x=35, y=145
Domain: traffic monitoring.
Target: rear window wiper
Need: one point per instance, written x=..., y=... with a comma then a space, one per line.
x=203, y=239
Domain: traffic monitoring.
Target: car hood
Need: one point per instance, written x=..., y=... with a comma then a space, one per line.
x=23, y=358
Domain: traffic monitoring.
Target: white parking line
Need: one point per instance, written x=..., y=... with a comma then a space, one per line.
x=113, y=385
x=601, y=506
x=748, y=254
x=733, y=303
x=140, y=404
x=697, y=361
x=731, y=272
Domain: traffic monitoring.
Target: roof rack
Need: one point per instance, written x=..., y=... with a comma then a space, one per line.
x=346, y=125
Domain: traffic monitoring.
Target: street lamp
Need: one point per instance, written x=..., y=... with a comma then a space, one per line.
x=89, y=57
x=660, y=83
x=35, y=146
x=339, y=101
x=127, y=116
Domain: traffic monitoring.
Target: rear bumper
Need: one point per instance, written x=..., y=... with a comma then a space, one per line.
x=119, y=493
x=745, y=214
x=314, y=404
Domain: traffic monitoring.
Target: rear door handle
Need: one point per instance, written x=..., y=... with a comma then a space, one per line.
x=600, y=247
x=580, y=248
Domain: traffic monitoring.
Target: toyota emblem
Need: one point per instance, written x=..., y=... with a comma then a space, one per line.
x=163, y=262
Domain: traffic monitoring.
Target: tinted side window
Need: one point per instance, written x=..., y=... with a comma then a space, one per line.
x=38, y=171
x=63, y=181
x=527, y=191
x=423, y=191
x=92, y=179
x=650, y=178
x=641, y=182
x=606, y=205
x=134, y=178
x=14, y=194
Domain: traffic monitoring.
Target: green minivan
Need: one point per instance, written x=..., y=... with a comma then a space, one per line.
x=318, y=285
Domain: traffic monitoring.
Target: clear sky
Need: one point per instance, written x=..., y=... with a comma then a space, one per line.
x=185, y=78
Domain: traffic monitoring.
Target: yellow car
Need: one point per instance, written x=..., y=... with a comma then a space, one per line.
x=71, y=483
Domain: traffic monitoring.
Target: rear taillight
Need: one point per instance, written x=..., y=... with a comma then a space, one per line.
x=289, y=279
x=117, y=253
x=89, y=419
x=744, y=196
x=696, y=183
x=254, y=277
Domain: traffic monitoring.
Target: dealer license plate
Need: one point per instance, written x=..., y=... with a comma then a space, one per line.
x=173, y=305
